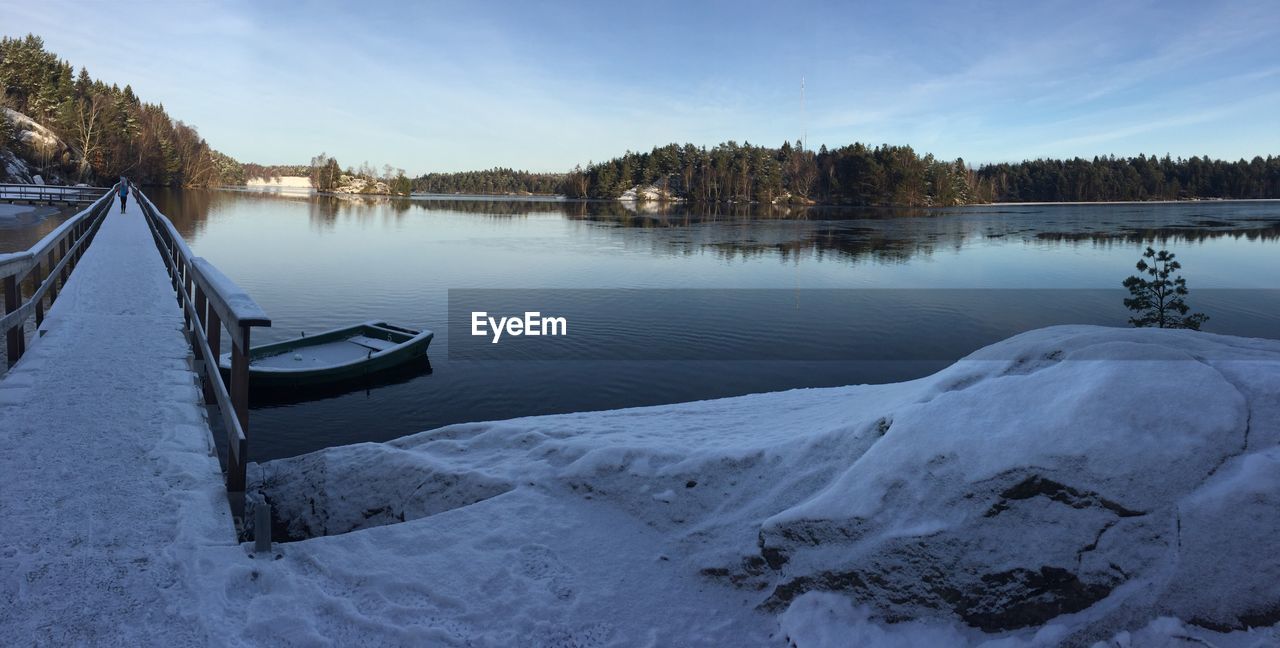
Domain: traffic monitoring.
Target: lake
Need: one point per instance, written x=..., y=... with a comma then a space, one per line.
x=684, y=304
x=22, y=226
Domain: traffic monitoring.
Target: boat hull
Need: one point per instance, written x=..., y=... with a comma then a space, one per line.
x=335, y=356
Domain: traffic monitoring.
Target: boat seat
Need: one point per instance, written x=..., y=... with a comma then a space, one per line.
x=371, y=343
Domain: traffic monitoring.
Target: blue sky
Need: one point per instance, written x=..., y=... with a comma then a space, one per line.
x=445, y=86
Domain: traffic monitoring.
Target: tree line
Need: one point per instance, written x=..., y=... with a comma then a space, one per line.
x=858, y=174
x=1136, y=178
x=108, y=131
x=269, y=171
x=495, y=181
x=884, y=175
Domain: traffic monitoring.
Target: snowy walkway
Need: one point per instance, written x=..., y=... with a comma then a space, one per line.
x=108, y=487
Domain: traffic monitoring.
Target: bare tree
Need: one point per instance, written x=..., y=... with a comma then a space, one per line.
x=87, y=126
x=319, y=165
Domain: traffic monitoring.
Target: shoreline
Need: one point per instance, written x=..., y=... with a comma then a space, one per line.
x=563, y=198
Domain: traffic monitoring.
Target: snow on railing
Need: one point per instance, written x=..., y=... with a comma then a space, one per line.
x=51, y=193
x=211, y=302
x=48, y=263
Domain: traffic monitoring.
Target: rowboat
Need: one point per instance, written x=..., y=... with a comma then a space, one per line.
x=332, y=356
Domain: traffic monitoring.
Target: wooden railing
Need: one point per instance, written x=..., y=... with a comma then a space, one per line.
x=51, y=193
x=48, y=264
x=211, y=302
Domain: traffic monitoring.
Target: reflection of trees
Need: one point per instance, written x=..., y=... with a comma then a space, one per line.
x=323, y=212
x=513, y=207
x=1252, y=231
x=187, y=210
x=733, y=231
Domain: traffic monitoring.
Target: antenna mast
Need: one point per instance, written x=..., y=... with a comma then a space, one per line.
x=804, y=125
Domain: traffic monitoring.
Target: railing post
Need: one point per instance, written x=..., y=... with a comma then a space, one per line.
x=210, y=364
x=174, y=271
x=240, y=403
x=186, y=294
x=53, y=281
x=213, y=333
x=35, y=285
x=64, y=254
x=13, y=337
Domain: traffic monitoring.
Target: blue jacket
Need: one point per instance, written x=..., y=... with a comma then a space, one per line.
x=124, y=190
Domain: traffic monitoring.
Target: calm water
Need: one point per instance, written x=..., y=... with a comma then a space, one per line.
x=23, y=226
x=819, y=298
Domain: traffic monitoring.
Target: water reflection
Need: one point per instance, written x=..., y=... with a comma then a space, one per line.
x=22, y=226
x=746, y=231
x=365, y=385
x=320, y=262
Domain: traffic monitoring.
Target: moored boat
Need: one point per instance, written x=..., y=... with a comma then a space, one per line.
x=332, y=356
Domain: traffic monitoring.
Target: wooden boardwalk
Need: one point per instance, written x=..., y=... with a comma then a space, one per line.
x=109, y=474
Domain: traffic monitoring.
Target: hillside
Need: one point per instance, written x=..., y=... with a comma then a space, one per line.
x=66, y=126
x=40, y=145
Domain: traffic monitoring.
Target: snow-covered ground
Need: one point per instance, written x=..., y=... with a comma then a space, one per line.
x=1068, y=486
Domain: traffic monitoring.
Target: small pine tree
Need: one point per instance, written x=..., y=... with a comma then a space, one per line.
x=1159, y=301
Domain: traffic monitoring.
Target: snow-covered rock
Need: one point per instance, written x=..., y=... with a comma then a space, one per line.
x=16, y=169
x=1060, y=487
x=355, y=185
x=1119, y=456
x=652, y=193
x=31, y=133
x=38, y=144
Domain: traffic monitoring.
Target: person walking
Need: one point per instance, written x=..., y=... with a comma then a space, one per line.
x=124, y=192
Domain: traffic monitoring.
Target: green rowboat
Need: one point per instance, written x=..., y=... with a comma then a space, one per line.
x=333, y=356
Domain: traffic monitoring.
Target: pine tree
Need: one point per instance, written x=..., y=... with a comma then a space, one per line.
x=1159, y=301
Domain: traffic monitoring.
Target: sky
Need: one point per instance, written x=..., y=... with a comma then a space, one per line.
x=450, y=86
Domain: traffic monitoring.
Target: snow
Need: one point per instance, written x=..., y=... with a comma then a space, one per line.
x=648, y=193
x=1063, y=486
x=1067, y=486
x=823, y=620
x=241, y=304
x=312, y=357
x=30, y=132
x=109, y=486
x=291, y=182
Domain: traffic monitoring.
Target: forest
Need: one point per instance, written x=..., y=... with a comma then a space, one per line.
x=495, y=181
x=267, y=171
x=897, y=175
x=884, y=175
x=108, y=131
